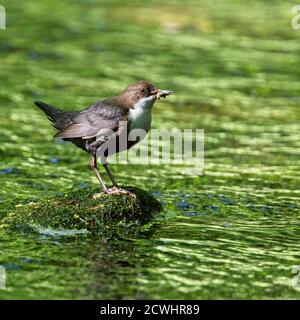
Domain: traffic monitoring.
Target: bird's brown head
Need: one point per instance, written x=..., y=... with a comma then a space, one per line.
x=142, y=91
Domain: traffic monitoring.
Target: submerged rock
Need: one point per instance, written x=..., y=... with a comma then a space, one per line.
x=86, y=211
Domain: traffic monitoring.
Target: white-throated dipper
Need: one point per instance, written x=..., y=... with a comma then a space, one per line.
x=94, y=128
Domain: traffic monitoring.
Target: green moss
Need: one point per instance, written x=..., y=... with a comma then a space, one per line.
x=86, y=211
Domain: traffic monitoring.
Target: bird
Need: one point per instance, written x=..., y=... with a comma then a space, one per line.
x=107, y=123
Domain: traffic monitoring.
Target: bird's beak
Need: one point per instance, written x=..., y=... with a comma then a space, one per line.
x=161, y=93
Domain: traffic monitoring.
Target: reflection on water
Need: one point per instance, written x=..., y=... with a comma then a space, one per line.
x=231, y=233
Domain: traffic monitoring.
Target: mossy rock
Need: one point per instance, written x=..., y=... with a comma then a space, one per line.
x=86, y=211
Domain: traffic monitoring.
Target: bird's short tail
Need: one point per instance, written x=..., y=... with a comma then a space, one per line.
x=52, y=112
x=59, y=118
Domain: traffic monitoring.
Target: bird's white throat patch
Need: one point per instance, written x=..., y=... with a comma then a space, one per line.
x=140, y=117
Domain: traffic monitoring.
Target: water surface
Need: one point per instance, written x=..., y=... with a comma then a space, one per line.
x=232, y=232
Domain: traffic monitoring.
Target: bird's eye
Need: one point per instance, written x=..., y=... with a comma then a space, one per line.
x=143, y=90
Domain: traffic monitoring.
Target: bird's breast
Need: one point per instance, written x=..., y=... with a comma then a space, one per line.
x=140, y=119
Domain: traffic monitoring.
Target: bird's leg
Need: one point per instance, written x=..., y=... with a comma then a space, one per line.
x=114, y=182
x=95, y=169
x=115, y=189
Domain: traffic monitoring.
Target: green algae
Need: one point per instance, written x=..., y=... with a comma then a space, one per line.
x=86, y=211
x=234, y=231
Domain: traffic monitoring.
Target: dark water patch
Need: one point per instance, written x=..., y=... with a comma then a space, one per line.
x=11, y=266
x=10, y=171
x=183, y=204
x=194, y=213
x=226, y=201
x=213, y=208
x=53, y=160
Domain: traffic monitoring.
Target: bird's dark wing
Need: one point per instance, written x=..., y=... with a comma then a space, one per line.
x=100, y=119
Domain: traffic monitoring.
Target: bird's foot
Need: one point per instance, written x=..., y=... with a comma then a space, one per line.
x=117, y=190
x=113, y=190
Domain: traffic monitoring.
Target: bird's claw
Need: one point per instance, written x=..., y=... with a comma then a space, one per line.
x=117, y=190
